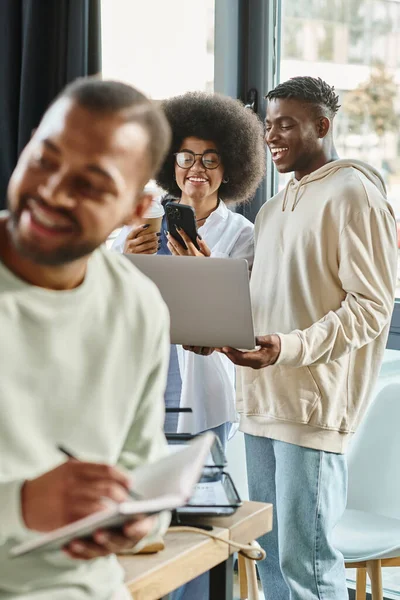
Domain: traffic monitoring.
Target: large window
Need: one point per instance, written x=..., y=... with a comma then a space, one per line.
x=352, y=44
x=163, y=48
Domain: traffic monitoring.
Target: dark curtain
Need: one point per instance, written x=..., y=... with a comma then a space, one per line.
x=44, y=44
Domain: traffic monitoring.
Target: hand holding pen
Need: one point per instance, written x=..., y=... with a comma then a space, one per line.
x=134, y=495
x=74, y=490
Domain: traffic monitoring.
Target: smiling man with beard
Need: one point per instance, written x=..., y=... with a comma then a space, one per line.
x=322, y=289
x=84, y=339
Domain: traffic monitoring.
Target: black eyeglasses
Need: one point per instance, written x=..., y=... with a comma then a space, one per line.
x=210, y=159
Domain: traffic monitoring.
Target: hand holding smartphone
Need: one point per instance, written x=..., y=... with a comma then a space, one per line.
x=181, y=215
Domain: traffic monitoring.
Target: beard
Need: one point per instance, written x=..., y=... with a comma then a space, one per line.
x=55, y=258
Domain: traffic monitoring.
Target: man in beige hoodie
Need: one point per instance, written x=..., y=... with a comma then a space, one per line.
x=322, y=287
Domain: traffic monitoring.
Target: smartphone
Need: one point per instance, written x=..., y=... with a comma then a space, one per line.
x=181, y=215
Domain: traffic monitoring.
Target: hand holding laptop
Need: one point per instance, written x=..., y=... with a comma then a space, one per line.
x=265, y=355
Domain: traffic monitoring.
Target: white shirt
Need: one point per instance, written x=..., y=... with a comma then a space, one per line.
x=208, y=382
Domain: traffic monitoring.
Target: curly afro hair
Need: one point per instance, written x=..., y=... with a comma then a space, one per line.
x=236, y=131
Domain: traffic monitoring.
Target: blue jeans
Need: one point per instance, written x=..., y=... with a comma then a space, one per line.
x=198, y=588
x=308, y=489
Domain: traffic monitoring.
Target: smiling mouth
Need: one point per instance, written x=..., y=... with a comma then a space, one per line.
x=278, y=153
x=47, y=219
x=197, y=180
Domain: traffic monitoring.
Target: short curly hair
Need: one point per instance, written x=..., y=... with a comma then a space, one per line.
x=236, y=131
x=312, y=90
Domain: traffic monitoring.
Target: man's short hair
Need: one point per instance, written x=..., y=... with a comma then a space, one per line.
x=114, y=96
x=311, y=90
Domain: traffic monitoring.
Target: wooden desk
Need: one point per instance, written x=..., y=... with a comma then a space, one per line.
x=187, y=555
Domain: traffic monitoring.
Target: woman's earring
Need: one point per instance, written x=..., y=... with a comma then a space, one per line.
x=225, y=180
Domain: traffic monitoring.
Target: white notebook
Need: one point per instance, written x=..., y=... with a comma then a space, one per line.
x=164, y=485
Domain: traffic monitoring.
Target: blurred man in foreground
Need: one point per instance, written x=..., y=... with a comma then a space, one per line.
x=84, y=339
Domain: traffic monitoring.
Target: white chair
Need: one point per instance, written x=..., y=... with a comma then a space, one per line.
x=368, y=535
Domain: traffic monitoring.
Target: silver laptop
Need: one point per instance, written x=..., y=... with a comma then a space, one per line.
x=208, y=298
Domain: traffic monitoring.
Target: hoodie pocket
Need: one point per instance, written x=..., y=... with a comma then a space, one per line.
x=284, y=393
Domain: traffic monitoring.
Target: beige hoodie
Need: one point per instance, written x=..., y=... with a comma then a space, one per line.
x=324, y=280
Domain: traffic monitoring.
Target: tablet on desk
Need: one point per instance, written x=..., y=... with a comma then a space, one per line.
x=215, y=498
x=208, y=298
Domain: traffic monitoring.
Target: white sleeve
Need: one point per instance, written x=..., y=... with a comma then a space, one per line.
x=146, y=442
x=243, y=246
x=119, y=242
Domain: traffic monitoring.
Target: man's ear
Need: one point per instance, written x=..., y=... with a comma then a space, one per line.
x=323, y=126
x=141, y=205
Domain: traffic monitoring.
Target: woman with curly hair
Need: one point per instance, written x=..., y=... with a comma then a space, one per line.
x=216, y=158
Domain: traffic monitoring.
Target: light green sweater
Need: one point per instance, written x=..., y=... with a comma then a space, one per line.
x=84, y=368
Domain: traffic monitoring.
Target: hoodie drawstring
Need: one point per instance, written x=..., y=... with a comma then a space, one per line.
x=304, y=181
x=296, y=196
x=285, y=197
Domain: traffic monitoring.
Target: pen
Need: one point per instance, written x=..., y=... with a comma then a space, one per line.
x=66, y=452
x=69, y=454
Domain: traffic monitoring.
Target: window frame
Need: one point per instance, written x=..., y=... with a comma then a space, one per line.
x=247, y=56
